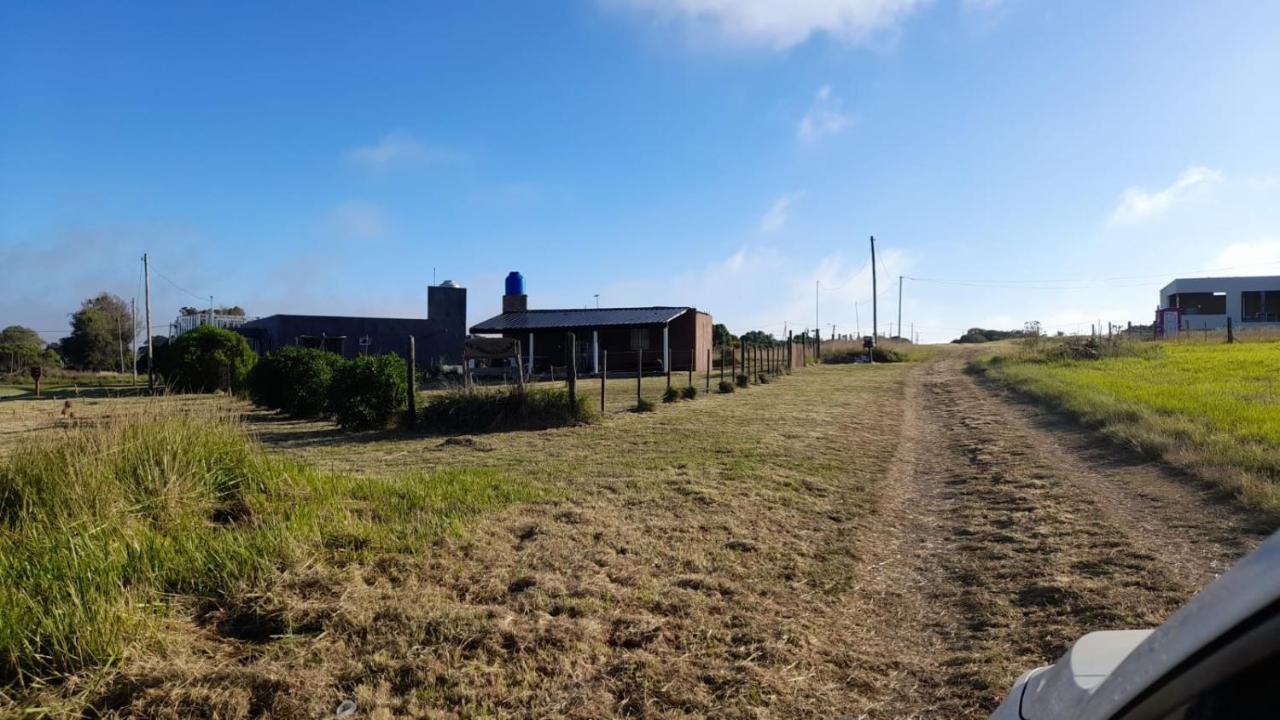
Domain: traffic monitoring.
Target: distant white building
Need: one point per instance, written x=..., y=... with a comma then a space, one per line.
x=1206, y=303
x=186, y=323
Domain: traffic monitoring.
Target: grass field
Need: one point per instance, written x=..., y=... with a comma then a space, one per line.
x=1210, y=408
x=269, y=565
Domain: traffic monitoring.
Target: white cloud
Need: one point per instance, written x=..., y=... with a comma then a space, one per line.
x=824, y=118
x=358, y=220
x=398, y=151
x=1138, y=204
x=776, y=217
x=781, y=24
x=1250, y=258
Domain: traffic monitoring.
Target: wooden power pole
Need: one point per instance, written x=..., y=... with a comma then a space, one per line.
x=146, y=302
x=875, y=299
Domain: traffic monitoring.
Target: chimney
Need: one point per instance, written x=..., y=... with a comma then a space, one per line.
x=515, y=300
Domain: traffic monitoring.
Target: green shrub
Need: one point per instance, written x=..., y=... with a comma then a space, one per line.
x=208, y=358
x=743, y=381
x=670, y=395
x=369, y=391
x=504, y=409
x=643, y=405
x=295, y=380
x=689, y=392
x=725, y=386
x=881, y=354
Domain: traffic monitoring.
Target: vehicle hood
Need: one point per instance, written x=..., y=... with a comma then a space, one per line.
x=1062, y=689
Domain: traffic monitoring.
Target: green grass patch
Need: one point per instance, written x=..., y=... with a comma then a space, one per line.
x=1212, y=409
x=101, y=524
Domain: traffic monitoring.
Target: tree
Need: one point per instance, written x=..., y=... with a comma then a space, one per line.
x=209, y=358
x=757, y=337
x=20, y=348
x=720, y=335
x=101, y=332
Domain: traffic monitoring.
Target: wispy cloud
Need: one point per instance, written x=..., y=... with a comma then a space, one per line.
x=780, y=24
x=1137, y=204
x=776, y=217
x=399, y=151
x=824, y=118
x=359, y=220
x=1261, y=257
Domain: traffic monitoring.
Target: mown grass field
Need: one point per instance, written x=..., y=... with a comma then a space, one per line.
x=1213, y=409
x=163, y=558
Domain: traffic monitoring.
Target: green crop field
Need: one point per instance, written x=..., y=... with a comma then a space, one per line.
x=1210, y=408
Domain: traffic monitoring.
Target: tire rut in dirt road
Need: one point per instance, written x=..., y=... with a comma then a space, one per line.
x=1018, y=546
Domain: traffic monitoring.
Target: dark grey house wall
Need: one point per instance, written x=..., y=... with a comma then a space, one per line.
x=438, y=337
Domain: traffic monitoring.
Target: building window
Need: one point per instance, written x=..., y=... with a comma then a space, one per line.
x=640, y=339
x=1206, y=303
x=1260, y=306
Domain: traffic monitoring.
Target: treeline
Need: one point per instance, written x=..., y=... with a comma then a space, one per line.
x=981, y=335
x=103, y=331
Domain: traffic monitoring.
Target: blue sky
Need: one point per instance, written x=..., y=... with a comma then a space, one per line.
x=319, y=157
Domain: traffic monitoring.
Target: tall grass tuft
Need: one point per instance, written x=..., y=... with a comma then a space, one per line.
x=98, y=525
x=507, y=408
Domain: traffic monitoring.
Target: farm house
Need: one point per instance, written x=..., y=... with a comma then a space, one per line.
x=438, y=337
x=655, y=338
x=1207, y=303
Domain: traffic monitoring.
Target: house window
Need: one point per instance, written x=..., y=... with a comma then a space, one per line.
x=1260, y=306
x=640, y=339
x=1208, y=303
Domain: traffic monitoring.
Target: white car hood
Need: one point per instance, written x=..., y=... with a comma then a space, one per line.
x=1065, y=686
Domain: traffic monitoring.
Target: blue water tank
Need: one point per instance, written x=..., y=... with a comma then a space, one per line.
x=515, y=283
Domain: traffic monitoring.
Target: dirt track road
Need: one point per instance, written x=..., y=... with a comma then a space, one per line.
x=1007, y=534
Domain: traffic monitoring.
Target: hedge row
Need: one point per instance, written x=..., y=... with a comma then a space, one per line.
x=369, y=391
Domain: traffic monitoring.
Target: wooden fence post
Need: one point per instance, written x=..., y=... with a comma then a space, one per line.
x=604, y=375
x=708, y=370
x=411, y=418
x=693, y=359
x=639, y=373
x=572, y=346
x=1231, y=335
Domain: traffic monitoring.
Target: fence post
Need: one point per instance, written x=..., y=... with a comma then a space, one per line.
x=412, y=418
x=604, y=375
x=519, y=367
x=708, y=370
x=693, y=359
x=722, y=363
x=1231, y=335
x=790, y=354
x=666, y=363
x=639, y=373
x=572, y=347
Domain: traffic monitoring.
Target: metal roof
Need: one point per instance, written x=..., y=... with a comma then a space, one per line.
x=590, y=317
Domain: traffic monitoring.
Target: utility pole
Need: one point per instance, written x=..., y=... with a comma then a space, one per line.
x=875, y=300
x=210, y=309
x=816, y=284
x=120, y=342
x=151, y=348
x=899, y=305
x=133, y=337
x=857, y=320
